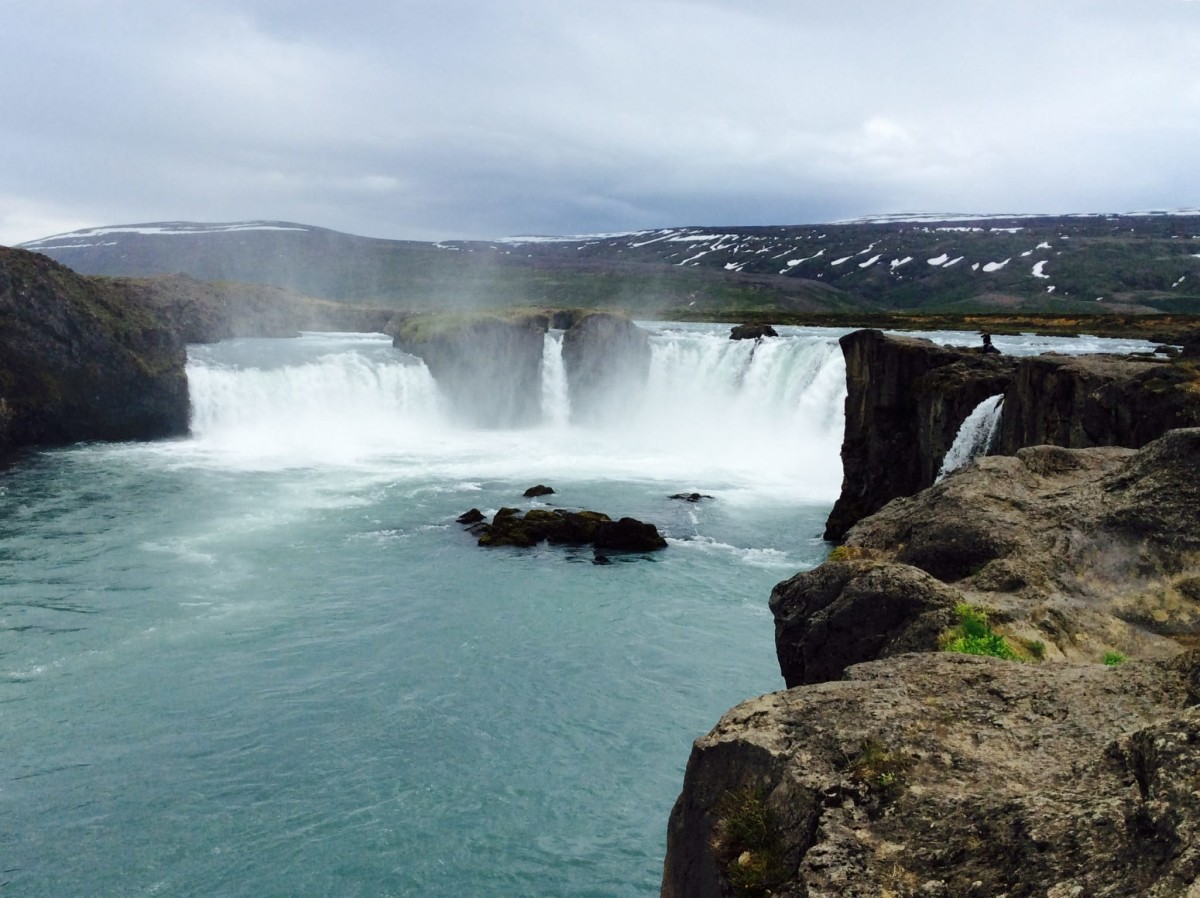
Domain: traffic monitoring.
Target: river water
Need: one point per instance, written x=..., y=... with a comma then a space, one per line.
x=265, y=661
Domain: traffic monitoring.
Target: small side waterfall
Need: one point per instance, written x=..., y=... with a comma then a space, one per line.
x=974, y=436
x=556, y=402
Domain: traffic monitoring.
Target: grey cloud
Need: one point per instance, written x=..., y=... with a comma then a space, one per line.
x=476, y=119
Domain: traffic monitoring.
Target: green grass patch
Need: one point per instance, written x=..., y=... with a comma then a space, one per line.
x=1112, y=659
x=974, y=636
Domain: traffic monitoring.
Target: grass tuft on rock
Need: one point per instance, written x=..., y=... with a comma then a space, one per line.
x=882, y=771
x=974, y=636
x=747, y=843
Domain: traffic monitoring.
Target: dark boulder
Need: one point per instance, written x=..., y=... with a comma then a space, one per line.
x=540, y=490
x=690, y=497
x=629, y=535
x=752, y=332
x=509, y=527
x=847, y=612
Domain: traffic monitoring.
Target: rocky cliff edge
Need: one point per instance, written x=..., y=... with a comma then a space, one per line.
x=82, y=359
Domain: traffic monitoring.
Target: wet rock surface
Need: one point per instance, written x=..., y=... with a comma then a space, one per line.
x=511, y=527
x=752, y=332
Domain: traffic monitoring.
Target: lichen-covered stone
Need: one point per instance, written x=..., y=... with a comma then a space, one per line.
x=953, y=775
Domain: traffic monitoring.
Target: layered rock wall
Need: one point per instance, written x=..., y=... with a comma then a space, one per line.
x=906, y=398
x=1081, y=401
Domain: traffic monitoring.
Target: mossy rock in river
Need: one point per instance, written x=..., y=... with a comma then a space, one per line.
x=570, y=528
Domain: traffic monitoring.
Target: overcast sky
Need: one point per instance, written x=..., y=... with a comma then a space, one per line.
x=432, y=119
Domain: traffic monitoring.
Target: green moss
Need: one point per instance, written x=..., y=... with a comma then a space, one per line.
x=1113, y=659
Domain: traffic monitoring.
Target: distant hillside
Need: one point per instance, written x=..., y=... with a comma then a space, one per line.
x=413, y=275
x=1068, y=264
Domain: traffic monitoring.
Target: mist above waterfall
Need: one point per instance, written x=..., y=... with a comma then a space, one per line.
x=712, y=413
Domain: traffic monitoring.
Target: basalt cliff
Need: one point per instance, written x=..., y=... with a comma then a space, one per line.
x=489, y=365
x=907, y=397
x=1067, y=764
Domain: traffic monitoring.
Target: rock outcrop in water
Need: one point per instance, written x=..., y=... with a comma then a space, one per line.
x=607, y=360
x=751, y=332
x=83, y=359
x=489, y=365
x=509, y=527
x=907, y=398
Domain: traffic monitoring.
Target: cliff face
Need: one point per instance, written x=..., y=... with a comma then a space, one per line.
x=940, y=776
x=489, y=366
x=930, y=773
x=83, y=359
x=1096, y=401
x=906, y=398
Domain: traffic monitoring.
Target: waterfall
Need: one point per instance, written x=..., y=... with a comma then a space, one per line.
x=310, y=398
x=974, y=436
x=556, y=404
x=712, y=413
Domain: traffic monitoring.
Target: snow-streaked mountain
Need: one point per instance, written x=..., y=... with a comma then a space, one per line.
x=1139, y=261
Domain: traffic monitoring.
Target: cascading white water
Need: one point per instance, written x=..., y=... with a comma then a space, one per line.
x=773, y=411
x=321, y=398
x=974, y=436
x=556, y=402
x=713, y=414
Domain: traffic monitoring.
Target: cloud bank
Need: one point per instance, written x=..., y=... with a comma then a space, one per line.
x=464, y=118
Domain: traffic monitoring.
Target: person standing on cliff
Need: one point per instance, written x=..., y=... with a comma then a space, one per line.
x=987, y=343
